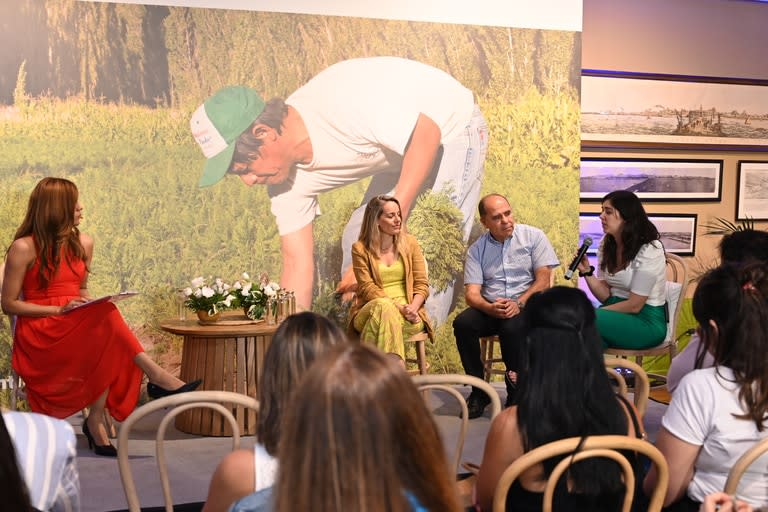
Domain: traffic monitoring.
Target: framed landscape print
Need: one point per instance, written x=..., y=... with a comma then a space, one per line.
x=677, y=231
x=659, y=109
x=752, y=191
x=652, y=179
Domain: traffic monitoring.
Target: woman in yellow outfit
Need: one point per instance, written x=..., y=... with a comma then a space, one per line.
x=391, y=279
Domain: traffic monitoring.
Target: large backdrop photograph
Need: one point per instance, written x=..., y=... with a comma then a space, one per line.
x=102, y=94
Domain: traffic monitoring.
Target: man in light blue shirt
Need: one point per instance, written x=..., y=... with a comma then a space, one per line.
x=504, y=267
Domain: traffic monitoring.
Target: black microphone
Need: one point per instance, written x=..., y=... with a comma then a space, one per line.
x=575, y=263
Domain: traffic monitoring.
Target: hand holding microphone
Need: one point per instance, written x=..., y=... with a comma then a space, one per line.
x=579, y=255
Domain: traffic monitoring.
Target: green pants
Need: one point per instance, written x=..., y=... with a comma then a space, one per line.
x=634, y=331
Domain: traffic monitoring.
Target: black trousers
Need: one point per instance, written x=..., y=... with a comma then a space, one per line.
x=472, y=324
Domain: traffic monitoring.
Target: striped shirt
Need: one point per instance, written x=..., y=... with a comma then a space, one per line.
x=45, y=449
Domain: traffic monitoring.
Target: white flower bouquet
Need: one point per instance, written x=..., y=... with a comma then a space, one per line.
x=253, y=297
x=210, y=295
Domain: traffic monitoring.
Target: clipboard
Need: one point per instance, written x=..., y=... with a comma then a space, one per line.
x=106, y=298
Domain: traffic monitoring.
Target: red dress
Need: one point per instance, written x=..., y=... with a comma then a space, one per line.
x=67, y=361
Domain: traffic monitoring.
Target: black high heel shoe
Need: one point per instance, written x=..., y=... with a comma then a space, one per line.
x=105, y=450
x=155, y=391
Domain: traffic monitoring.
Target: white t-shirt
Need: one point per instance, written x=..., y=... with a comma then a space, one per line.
x=645, y=275
x=701, y=413
x=265, y=468
x=360, y=114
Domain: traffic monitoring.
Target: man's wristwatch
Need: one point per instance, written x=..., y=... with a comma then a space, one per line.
x=590, y=272
x=520, y=304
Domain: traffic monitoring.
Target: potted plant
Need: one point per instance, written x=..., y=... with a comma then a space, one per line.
x=208, y=297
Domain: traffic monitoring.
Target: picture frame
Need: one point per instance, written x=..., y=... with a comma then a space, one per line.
x=677, y=231
x=652, y=110
x=752, y=190
x=652, y=179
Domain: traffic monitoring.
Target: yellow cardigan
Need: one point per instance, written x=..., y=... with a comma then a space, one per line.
x=369, y=286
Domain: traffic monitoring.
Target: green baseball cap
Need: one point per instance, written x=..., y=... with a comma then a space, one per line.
x=217, y=123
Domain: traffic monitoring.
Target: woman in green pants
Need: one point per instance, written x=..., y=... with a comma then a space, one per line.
x=631, y=284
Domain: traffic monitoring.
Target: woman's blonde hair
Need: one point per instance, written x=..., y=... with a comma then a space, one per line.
x=298, y=340
x=370, y=235
x=359, y=437
x=50, y=220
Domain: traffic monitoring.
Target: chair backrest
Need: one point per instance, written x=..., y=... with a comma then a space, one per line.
x=447, y=383
x=677, y=286
x=220, y=401
x=594, y=446
x=16, y=392
x=746, y=460
x=642, y=386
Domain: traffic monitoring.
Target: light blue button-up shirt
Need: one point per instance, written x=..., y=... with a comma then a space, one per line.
x=507, y=269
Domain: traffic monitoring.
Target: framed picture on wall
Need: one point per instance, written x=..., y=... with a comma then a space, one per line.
x=677, y=231
x=652, y=179
x=752, y=191
x=643, y=109
x=590, y=227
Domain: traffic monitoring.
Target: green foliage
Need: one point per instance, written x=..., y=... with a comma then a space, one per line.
x=20, y=98
x=722, y=227
x=137, y=167
x=443, y=354
x=436, y=224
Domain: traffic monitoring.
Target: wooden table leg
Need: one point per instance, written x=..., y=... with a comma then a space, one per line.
x=225, y=364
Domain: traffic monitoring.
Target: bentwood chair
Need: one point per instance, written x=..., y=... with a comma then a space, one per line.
x=447, y=383
x=742, y=464
x=677, y=285
x=642, y=386
x=220, y=401
x=594, y=446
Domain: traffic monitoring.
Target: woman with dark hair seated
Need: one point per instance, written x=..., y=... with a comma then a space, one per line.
x=718, y=413
x=564, y=391
x=632, y=280
x=358, y=437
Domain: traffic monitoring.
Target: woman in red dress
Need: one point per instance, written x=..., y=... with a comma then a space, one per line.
x=71, y=358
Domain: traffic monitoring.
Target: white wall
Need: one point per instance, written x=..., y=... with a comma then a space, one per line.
x=721, y=38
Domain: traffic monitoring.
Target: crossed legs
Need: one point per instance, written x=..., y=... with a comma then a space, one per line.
x=155, y=374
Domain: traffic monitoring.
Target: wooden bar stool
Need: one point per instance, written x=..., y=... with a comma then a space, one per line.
x=486, y=354
x=421, y=354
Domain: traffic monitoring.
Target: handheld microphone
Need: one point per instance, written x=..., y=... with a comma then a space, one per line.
x=575, y=263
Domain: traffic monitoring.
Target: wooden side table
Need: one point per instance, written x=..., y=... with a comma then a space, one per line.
x=227, y=358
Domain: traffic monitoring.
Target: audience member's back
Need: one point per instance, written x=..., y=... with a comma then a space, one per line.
x=358, y=437
x=737, y=248
x=296, y=343
x=718, y=413
x=45, y=448
x=564, y=392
